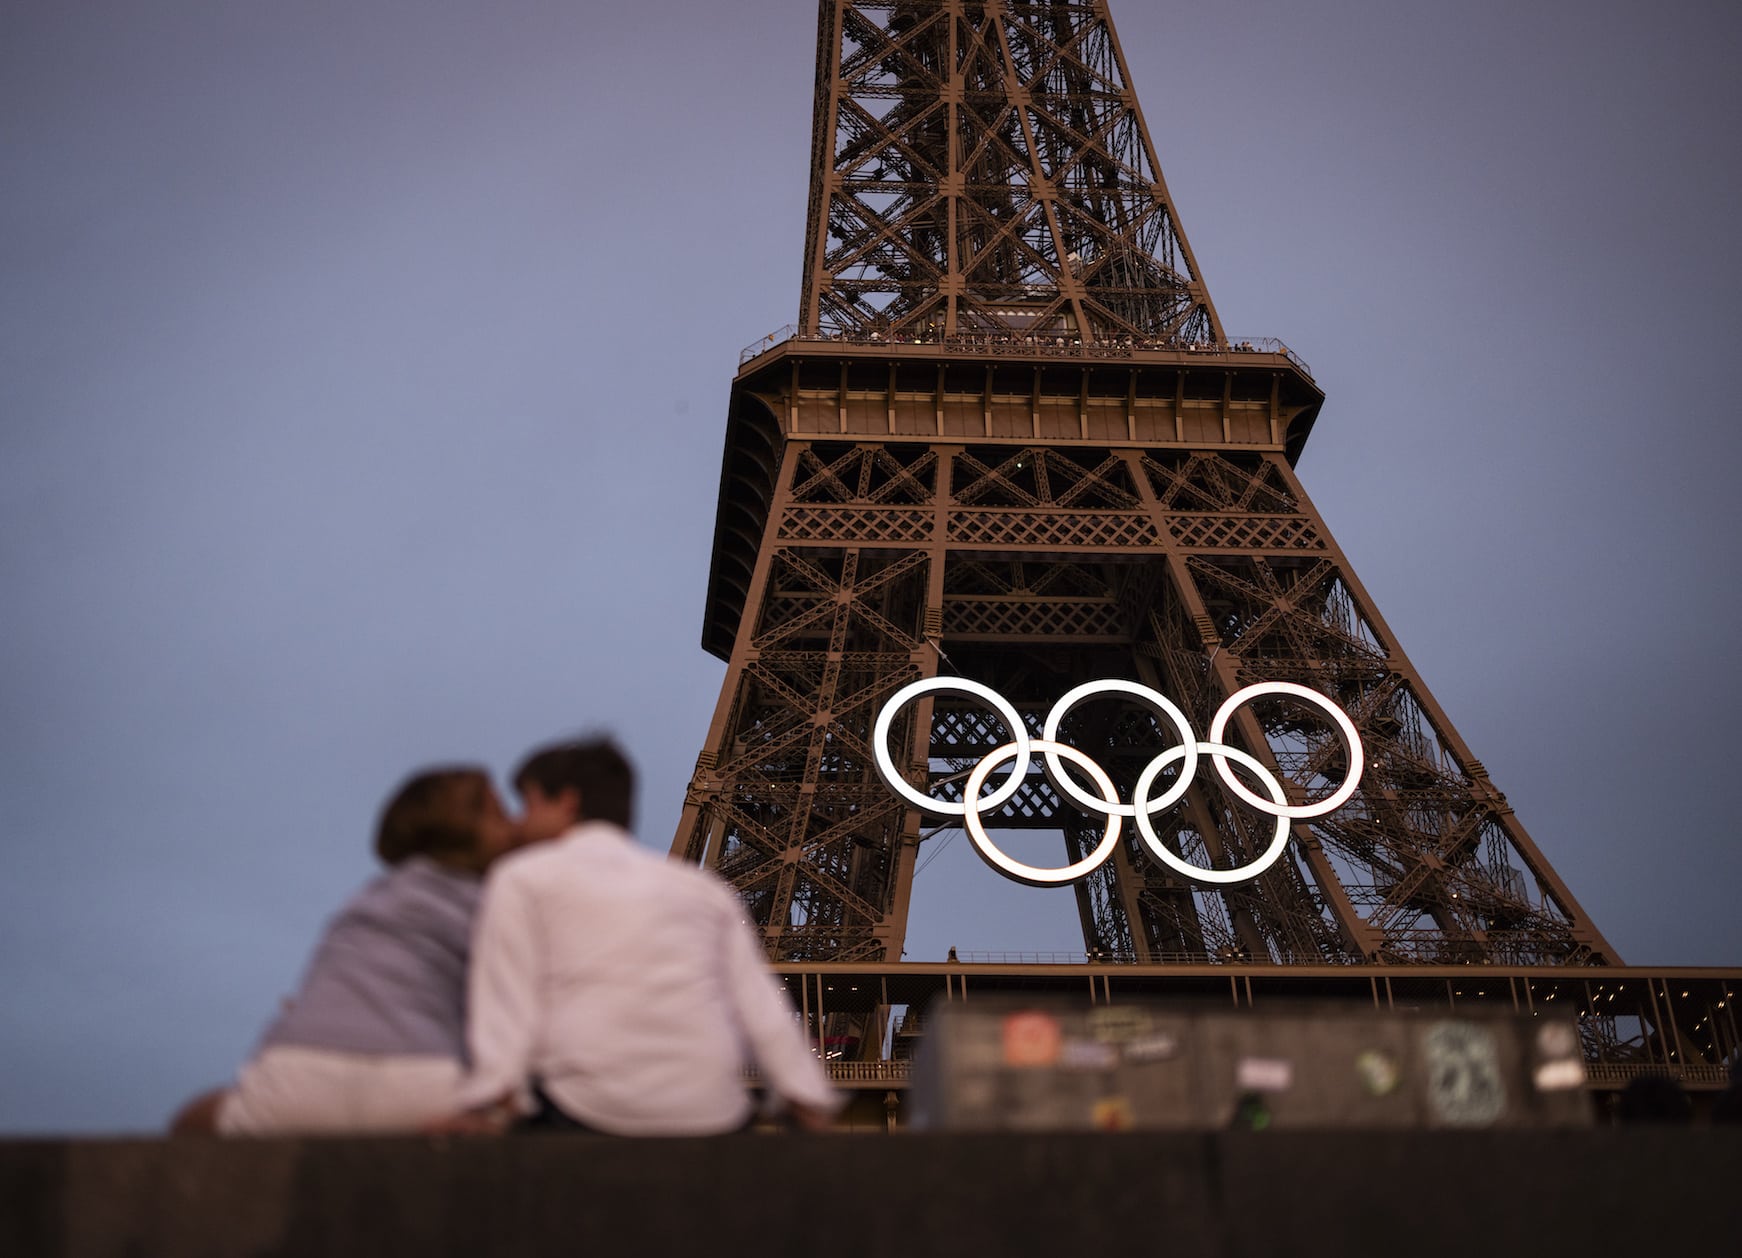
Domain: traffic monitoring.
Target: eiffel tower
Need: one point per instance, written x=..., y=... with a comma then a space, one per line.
x=1008, y=440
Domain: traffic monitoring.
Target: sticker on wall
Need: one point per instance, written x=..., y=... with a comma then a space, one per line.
x=1560, y=1066
x=1088, y=1055
x=1112, y=1113
x=1159, y=1047
x=1118, y=1023
x=1031, y=1039
x=1378, y=1072
x=1464, y=1087
x=1557, y=1039
x=1252, y=1112
x=1559, y=1076
x=1264, y=1074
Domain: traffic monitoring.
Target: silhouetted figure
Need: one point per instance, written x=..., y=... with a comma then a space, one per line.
x=1653, y=1098
x=1727, y=1109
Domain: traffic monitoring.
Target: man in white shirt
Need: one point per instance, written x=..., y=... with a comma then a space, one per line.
x=614, y=990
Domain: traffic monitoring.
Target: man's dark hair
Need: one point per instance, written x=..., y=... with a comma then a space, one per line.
x=434, y=813
x=595, y=768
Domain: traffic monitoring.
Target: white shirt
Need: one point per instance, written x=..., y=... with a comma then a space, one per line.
x=631, y=987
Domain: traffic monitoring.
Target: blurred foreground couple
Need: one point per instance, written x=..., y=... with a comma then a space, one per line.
x=585, y=983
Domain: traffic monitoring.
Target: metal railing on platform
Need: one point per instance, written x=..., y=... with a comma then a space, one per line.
x=1110, y=957
x=1619, y=1074
x=870, y=1071
x=1046, y=345
x=886, y=1072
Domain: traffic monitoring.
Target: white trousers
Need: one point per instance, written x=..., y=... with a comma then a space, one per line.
x=292, y=1090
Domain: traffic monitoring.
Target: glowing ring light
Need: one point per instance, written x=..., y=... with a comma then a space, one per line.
x=952, y=685
x=1009, y=865
x=1336, y=799
x=1156, y=702
x=1141, y=808
x=1221, y=753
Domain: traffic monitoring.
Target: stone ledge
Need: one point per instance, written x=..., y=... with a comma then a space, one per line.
x=1235, y=1194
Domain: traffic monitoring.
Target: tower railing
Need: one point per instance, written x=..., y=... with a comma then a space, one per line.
x=1110, y=956
x=1029, y=344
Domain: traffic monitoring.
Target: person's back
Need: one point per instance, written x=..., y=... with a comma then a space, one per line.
x=389, y=974
x=628, y=989
x=655, y=996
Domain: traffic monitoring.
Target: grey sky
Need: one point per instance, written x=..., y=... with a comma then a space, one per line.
x=362, y=382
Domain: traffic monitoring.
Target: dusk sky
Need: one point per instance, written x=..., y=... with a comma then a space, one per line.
x=363, y=373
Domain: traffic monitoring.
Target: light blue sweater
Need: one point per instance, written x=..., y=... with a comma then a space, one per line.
x=389, y=975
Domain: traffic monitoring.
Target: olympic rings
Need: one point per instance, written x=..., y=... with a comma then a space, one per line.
x=959, y=685
x=1013, y=868
x=1157, y=703
x=1198, y=873
x=1142, y=808
x=1345, y=727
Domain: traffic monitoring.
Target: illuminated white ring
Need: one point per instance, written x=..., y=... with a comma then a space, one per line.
x=1337, y=798
x=1161, y=705
x=958, y=685
x=1197, y=873
x=1009, y=865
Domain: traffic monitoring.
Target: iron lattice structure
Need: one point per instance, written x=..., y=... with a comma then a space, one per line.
x=982, y=169
x=1009, y=440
